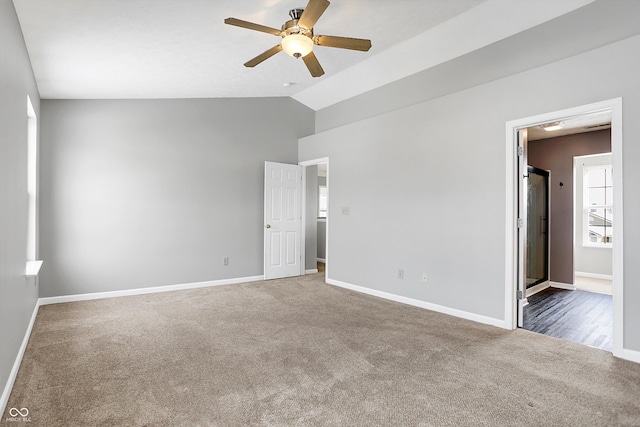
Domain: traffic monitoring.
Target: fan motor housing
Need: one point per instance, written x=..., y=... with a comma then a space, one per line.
x=292, y=27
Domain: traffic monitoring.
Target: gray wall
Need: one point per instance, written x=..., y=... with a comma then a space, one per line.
x=18, y=295
x=430, y=178
x=556, y=155
x=322, y=239
x=311, y=218
x=144, y=193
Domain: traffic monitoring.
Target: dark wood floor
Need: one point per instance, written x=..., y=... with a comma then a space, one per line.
x=578, y=316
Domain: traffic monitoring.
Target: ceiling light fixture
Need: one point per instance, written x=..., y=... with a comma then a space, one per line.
x=297, y=41
x=297, y=38
x=297, y=45
x=550, y=127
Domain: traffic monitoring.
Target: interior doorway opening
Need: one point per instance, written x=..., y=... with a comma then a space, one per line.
x=518, y=301
x=316, y=215
x=570, y=217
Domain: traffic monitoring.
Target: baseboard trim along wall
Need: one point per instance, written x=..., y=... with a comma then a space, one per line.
x=627, y=354
x=560, y=285
x=422, y=304
x=16, y=364
x=312, y=271
x=594, y=275
x=141, y=291
x=537, y=288
x=631, y=355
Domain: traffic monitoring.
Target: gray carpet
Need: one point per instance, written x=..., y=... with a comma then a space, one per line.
x=300, y=352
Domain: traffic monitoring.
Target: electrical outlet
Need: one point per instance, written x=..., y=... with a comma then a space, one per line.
x=401, y=274
x=225, y=261
x=424, y=277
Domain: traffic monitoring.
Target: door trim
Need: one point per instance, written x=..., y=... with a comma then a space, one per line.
x=511, y=244
x=304, y=165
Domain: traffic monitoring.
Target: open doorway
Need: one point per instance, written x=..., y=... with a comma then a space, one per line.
x=604, y=118
x=574, y=224
x=316, y=217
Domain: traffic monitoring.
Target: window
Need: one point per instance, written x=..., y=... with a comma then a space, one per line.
x=598, y=206
x=33, y=266
x=322, y=201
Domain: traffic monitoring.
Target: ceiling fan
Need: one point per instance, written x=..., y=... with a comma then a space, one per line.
x=298, y=38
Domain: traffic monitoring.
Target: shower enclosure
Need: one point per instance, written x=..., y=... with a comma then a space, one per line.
x=537, y=243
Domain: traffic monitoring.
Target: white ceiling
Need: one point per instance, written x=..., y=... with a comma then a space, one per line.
x=121, y=49
x=572, y=125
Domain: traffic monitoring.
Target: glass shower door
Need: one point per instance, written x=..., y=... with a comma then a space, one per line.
x=537, y=262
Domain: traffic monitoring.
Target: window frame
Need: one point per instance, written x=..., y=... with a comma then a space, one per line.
x=587, y=208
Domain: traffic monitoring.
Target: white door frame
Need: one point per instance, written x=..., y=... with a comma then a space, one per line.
x=304, y=165
x=511, y=242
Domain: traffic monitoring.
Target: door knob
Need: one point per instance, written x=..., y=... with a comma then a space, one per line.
x=268, y=226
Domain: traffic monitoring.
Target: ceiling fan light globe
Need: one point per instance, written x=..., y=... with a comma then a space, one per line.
x=297, y=45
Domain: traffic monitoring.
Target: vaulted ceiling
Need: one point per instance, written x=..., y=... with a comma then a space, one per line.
x=121, y=49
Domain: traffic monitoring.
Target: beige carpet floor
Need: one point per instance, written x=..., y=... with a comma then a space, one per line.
x=298, y=352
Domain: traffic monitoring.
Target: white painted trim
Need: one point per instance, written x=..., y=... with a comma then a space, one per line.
x=142, y=291
x=618, y=244
x=511, y=231
x=594, y=275
x=314, y=162
x=33, y=268
x=321, y=260
x=16, y=364
x=311, y=271
x=303, y=223
x=422, y=304
x=560, y=285
x=538, y=288
x=615, y=106
x=632, y=355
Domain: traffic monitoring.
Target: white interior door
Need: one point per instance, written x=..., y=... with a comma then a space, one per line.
x=282, y=220
x=521, y=291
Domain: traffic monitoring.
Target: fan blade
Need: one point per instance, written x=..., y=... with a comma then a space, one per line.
x=312, y=13
x=343, y=42
x=252, y=26
x=313, y=65
x=263, y=56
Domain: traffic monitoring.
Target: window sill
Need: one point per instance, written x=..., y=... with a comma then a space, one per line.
x=33, y=268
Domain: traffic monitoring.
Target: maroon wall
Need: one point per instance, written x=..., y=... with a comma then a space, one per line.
x=556, y=155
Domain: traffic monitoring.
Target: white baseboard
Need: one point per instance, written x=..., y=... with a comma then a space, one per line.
x=594, y=275
x=321, y=260
x=560, y=285
x=631, y=355
x=4, y=399
x=537, y=288
x=141, y=291
x=422, y=304
x=311, y=271
x=627, y=354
